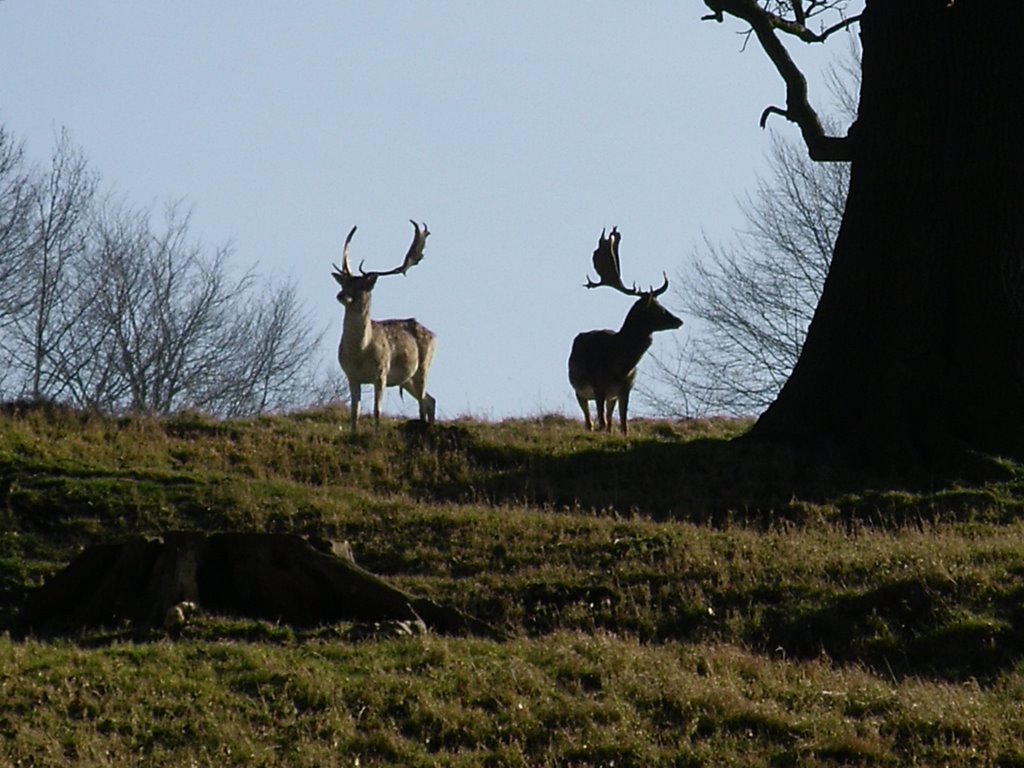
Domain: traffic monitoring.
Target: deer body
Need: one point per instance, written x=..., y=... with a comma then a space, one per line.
x=602, y=364
x=383, y=353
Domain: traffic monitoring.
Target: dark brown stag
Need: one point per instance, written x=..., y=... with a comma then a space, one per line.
x=602, y=364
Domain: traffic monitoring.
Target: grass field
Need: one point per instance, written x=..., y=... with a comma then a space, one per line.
x=676, y=598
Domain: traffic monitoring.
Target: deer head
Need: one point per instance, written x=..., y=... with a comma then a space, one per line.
x=357, y=288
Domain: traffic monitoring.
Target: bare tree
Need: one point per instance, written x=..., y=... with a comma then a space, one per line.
x=101, y=309
x=169, y=328
x=15, y=233
x=14, y=223
x=754, y=297
x=269, y=367
x=166, y=327
x=87, y=364
x=60, y=200
x=174, y=323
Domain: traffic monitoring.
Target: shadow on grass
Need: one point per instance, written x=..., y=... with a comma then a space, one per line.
x=704, y=480
x=906, y=627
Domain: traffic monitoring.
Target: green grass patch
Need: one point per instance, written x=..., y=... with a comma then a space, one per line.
x=567, y=698
x=677, y=597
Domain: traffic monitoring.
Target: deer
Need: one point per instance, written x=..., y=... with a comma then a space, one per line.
x=384, y=353
x=602, y=364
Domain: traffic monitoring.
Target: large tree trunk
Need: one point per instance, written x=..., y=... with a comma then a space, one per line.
x=916, y=351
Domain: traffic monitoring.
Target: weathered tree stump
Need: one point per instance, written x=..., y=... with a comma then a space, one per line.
x=276, y=577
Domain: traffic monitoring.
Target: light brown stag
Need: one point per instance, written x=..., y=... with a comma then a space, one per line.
x=384, y=353
x=602, y=364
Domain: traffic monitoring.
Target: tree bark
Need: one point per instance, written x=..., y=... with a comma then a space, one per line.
x=914, y=354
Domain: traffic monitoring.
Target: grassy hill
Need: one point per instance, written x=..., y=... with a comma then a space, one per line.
x=676, y=598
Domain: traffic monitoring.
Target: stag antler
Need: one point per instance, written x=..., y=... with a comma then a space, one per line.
x=412, y=258
x=659, y=291
x=606, y=262
x=345, y=268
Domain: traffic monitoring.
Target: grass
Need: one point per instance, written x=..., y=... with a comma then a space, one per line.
x=567, y=698
x=672, y=599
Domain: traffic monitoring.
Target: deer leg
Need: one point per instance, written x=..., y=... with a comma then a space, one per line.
x=623, y=406
x=353, y=390
x=378, y=398
x=609, y=407
x=599, y=402
x=586, y=412
x=428, y=406
x=427, y=403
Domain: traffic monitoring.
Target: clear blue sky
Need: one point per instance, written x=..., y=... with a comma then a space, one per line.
x=515, y=130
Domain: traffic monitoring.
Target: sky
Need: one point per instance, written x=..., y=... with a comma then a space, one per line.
x=517, y=131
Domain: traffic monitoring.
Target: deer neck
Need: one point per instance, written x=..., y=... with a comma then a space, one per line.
x=634, y=339
x=357, y=327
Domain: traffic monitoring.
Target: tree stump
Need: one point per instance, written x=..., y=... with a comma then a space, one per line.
x=275, y=577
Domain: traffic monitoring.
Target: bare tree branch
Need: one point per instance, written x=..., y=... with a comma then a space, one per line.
x=15, y=226
x=802, y=13
x=60, y=201
x=798, y=110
